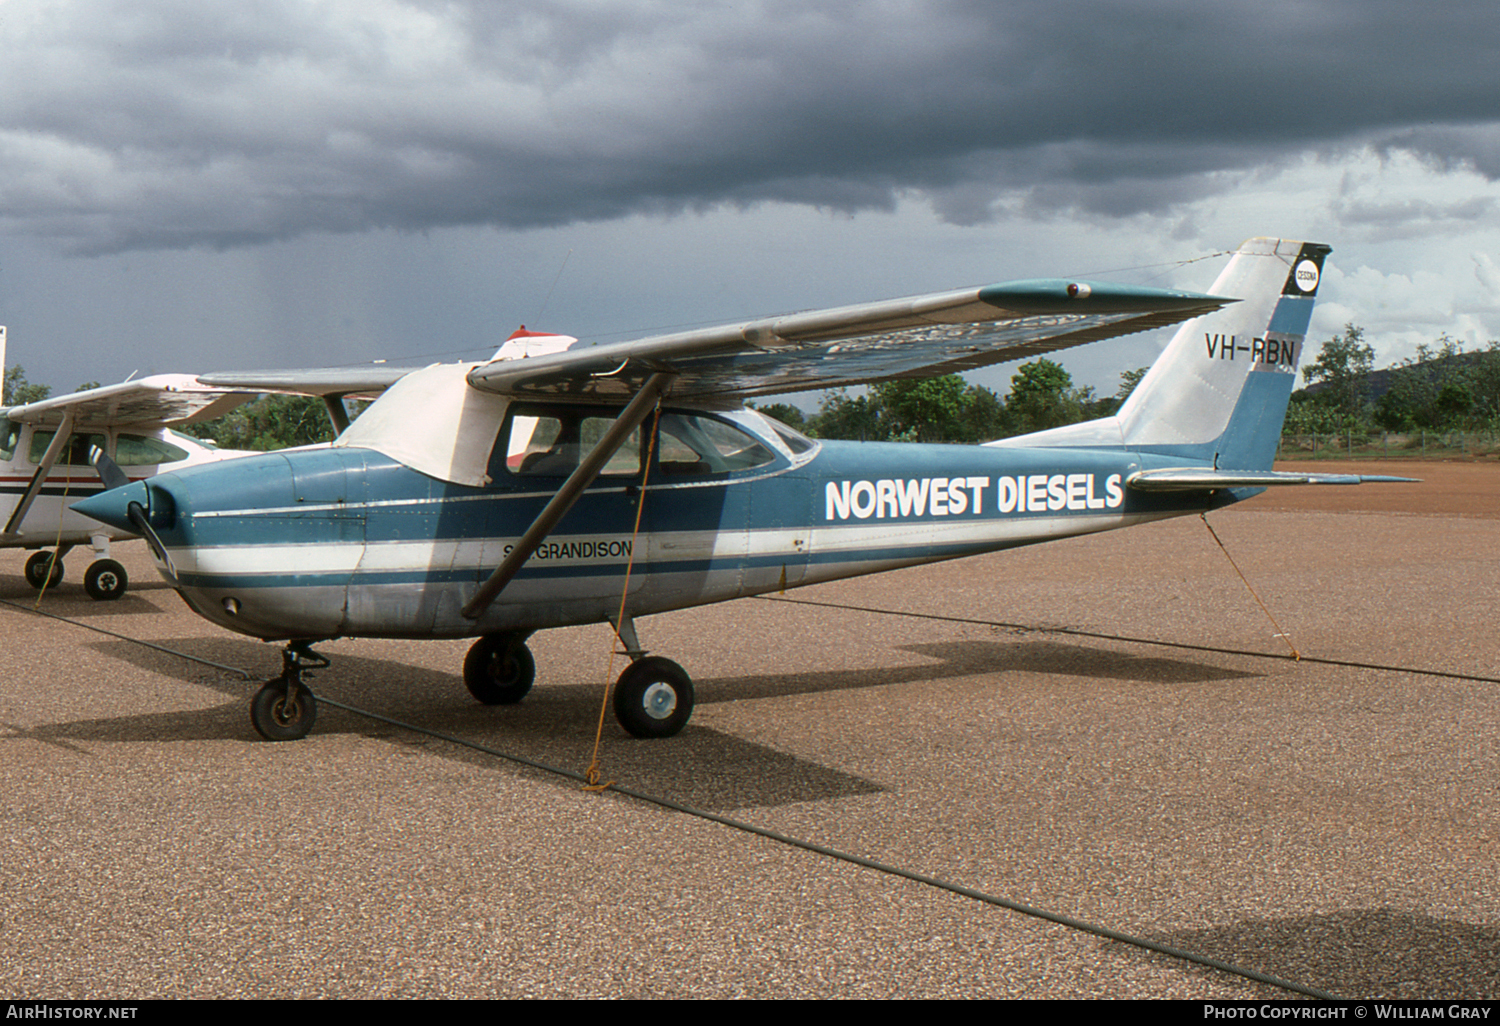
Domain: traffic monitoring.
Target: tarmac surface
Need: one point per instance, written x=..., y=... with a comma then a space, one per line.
x=1107, y=728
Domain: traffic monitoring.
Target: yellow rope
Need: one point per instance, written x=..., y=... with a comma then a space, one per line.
x=52, y=563
x=592, y=774
x=1283, y=635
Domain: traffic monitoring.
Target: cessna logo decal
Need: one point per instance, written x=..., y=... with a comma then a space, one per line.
x=892, y=498
x=1306, y=276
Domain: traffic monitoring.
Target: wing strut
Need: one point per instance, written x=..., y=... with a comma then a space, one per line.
x=338, y=413
x=59, y=440
x=630, y=418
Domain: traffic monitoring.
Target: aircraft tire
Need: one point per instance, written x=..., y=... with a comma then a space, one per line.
x=105, y=580
x=653, y=698
x=37, y=567
x=280, y=713
x=499, y=671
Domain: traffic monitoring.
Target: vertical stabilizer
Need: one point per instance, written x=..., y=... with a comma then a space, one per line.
x=1219, y=391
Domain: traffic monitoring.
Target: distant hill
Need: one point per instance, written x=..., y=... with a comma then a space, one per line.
x=1381, y=380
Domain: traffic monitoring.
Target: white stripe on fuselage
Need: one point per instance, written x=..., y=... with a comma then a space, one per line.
x=901, y=540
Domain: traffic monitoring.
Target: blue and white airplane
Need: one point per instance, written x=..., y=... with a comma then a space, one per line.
x=559, y=484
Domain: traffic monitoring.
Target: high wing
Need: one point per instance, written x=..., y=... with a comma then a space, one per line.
x=920, y=336
x=161, y=399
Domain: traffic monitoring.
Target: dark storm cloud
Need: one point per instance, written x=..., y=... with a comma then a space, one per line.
x=162, y=123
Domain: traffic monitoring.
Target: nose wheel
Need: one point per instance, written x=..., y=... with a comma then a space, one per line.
x=105, y=580
x=284, y=709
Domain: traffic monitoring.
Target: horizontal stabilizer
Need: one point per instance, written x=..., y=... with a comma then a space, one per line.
x=1197, y=479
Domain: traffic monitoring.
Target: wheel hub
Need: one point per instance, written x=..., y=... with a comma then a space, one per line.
x=660, y=701
x=286, y=711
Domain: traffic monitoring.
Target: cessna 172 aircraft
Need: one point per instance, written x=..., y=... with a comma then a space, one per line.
x=590, y=484
x=44, y=464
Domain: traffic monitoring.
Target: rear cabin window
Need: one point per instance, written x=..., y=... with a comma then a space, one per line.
x=551, y=442
x=142, y=451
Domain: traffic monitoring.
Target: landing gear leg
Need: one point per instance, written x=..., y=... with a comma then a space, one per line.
x=284, y=709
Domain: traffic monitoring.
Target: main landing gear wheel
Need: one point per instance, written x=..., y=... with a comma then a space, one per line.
x=283, y=710
x=499, y=669
x=40, y=565
x=654, y=697
x=105, y=580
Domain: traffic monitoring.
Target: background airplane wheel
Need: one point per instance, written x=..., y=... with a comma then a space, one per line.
x=105, y=580
x=498, y=670
x=654, y=697
x=282, y=713
x=37, y=568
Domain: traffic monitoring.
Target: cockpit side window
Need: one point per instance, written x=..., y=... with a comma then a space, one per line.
x=694, y=444
x=10, y=437
x=74, y=454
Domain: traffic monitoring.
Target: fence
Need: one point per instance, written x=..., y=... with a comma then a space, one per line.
x=1390, y=445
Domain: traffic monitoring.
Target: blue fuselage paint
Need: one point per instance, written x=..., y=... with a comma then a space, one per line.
x=349, y=542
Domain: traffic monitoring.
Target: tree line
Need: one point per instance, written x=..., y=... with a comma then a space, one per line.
x=1443, y=388
x=949, y=409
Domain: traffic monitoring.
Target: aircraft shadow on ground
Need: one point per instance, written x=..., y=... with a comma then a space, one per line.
x=967, y=658
x=1360, y=953
x=556, y=723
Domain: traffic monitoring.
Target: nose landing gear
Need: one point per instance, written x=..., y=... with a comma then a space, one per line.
x=284, y=709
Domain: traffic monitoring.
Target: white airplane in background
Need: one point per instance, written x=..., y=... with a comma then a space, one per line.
x=44, y=464
x=46, y=447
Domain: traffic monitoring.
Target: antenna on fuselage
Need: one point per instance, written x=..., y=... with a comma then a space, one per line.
x=548, y=299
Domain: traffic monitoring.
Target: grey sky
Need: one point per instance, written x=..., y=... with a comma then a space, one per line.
x=187, y=186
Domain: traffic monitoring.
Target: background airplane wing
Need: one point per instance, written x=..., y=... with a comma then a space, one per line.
x=365, y=382
x=161, y=399
x=921, y=336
